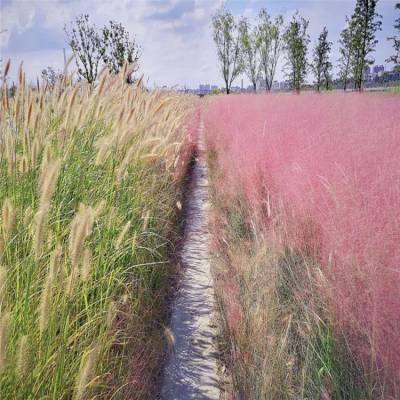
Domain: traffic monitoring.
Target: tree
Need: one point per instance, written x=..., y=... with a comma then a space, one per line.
x=366, y=23
x=226, y=36
x=248, y=42
x=296, y=41
x=119, y=49
x=50, y=76
x=321, y=65
x=395, y=58
x=269, y=43
x=87, y=46
x=345, y=51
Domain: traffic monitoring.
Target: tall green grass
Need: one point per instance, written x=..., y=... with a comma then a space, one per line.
x=88, y=195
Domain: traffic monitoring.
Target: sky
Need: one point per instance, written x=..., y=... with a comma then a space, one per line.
x=175, y=35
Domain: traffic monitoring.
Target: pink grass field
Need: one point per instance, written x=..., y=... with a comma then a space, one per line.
x=322, y=174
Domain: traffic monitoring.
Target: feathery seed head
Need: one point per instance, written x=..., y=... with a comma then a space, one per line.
x=55, y=261
x=99, y=208
x=28, y=114
x=46, y=157
x=23, y=165
x=71, y=281
x=22, y=357
x=101, y=84
x=45, y=301
x=122, y=234
x=48, y=182
x=27, y=216
x=86, y=265
x=81, y=227
x=88, y=367
x=6, y=69
x=134, y=240
x=3, y=281
x=146, y=219
x=40, y=231
x=4, y=323
x=34, y=151
x=8, y=218
x=111, y=314
x=62, y=136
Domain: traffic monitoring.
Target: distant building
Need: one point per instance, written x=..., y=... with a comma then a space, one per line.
x=275, y=85
x=366, y=73
x=205, y=88
x=236, y=89
x=391, y=76
x=261, y=84
x=284, y=85
x=378, y=69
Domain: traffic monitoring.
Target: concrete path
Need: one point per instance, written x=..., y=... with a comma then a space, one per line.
x=191, y=370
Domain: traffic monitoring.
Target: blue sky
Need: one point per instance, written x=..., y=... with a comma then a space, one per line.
x=175, y=34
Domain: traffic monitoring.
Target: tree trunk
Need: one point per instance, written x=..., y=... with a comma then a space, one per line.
x=255, y=86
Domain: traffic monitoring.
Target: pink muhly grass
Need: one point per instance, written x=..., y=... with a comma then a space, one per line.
x=322, y=174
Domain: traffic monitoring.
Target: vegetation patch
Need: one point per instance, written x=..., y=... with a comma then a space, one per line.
x=304, y=242
x=89, y=182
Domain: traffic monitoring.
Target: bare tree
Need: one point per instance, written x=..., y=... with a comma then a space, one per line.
x=227, y=39
x=269, y=43
x=296, y=43
x=248, y=41
x=50, y=76
x=395, y=58
x=345, y=51
x=87, y=46
x=119, y=49
x=366, y=23
x=321, y=65
x=112, y=46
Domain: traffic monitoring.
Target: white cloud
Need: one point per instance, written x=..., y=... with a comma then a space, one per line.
x=175, y=34
x=15, y=18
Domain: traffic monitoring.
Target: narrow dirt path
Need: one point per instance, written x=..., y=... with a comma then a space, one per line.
x=191, y=370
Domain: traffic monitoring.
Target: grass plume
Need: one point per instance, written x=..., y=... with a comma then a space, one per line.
x=4, y=322
x=22, y=357
x=85, y=374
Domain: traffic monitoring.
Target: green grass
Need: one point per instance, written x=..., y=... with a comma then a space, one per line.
x=85, y=328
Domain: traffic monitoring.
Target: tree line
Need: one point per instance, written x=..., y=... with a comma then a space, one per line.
x=256, y=50
x=93, y=48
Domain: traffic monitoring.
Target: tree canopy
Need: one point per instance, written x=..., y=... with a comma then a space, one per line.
x=226, y=36
x=111, y=46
